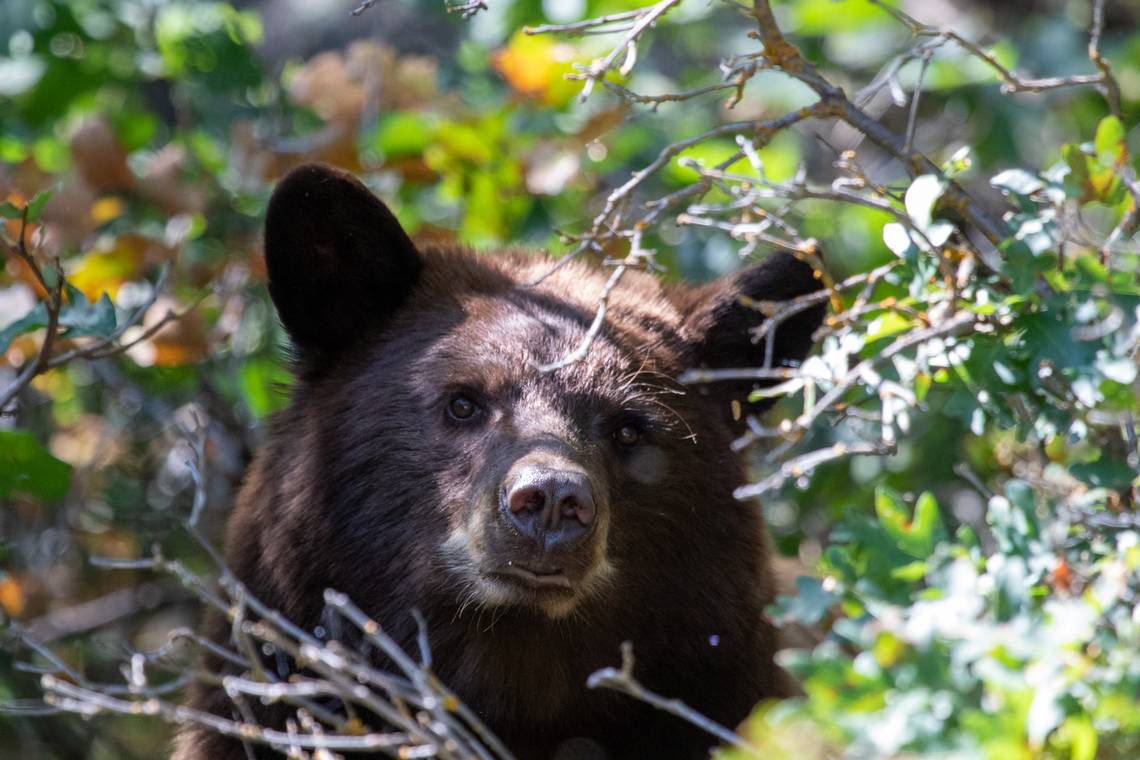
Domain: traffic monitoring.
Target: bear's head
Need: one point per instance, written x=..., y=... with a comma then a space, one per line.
x=461, y=458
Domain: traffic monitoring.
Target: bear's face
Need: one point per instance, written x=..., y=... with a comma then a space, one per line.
x=502, y=480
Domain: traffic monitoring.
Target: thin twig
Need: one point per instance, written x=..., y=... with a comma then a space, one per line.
x=622, y=680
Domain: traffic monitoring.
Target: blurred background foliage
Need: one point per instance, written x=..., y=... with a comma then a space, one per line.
x=980, y=586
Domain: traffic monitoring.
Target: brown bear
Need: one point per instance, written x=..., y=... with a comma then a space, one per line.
x=537, y=518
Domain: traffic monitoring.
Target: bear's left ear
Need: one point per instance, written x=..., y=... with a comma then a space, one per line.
x=338, y=260
x=718, y=327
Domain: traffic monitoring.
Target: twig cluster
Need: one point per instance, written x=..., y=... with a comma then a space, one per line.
x=758, y=213
x=339, y=699
x=51, y=281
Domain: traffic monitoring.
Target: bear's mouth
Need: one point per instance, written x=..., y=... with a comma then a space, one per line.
x=534, y=576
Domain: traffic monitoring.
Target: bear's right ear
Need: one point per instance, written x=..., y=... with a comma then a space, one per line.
x=338, y=260
x=719, y=327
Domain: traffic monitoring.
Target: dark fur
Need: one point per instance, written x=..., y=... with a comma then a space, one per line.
x=364, y=476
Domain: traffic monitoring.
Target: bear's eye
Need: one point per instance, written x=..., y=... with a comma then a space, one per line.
x=627, y=435
x=462, y=408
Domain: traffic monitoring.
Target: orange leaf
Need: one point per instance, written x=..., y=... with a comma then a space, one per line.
x=11, y=596
x=1062, y=577
x=536, y=67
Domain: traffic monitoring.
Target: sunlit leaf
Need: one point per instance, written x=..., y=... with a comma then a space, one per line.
x=536, y=66
x=897, y=238
x=914, y=536
x=402, y=134
x=104, y=271
x=1017, y=181
x=921, y=196
x=1109, y=142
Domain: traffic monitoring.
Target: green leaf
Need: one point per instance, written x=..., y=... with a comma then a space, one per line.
x=915, y=537
x=9, y=210
x=820, y=17
x=1018, y=264
x=12, y=149
x=1082, y=737
x=1090, y=269
x=891, y=509
x=37, y=203
x=465, y=142
x=50, y=153
x=913, y=572
x=27, y=467
x=83, y=318
x=1109, y=142
x=926, y=528
x=1093, y=166
x=33, y=320
x=208, y=150
x=134, y=128
x=810, y=604
x=402, y=134
x=1104, y=473
x=1050, y=336
x=262, y=384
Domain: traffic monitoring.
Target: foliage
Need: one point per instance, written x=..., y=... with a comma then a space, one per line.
x=957, y=464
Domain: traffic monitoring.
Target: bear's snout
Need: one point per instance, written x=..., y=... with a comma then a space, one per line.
x=545, y=543
x=552, y=507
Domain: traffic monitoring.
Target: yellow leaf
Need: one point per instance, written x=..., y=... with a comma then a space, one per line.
x=104, y=271
x=888, y=650
x=105, y=209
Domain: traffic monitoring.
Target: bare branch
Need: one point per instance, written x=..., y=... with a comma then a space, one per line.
x=420, y=716
x=802, y=465
x=1011, y=82
x=622, y=680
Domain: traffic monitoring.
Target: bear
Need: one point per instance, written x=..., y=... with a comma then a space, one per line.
x=439, y=454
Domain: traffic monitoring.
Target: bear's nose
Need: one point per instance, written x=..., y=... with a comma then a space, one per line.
x=549, y=506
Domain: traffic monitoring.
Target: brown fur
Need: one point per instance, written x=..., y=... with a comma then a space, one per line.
x=364, y=478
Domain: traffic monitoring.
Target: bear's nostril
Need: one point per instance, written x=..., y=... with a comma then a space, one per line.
x=578, y=507
x=526, y=500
